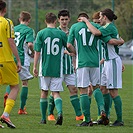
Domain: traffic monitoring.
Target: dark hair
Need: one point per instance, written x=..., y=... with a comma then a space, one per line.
x=2, y=5
x=63, y=13
x=83, y=14
x=50, y=18
x=109, y=14
x=25, y=16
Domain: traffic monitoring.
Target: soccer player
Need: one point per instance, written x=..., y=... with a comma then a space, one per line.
x=112, y=71
x=24, y=38
x=8, y=68
x=49, y=46
x=68, y=72
x=87, y=66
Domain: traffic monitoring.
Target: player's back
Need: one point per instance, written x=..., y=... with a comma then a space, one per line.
x=111, y=51
x=86, y=45
x=23, y=35
x=6, y=31
x=51, y=42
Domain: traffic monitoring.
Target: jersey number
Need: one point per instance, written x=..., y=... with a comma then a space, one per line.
x=52, y=48
x=17, y=37
x=83, y=33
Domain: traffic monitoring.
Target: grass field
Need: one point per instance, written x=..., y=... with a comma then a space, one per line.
x=30, y=123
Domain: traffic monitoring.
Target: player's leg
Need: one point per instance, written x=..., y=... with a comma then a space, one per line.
x=23, y=97
x=69, y=79
x=25, y=75
x=95, y=80
x=75, y=102
x=44, y=84
x=51, y=106
x=43, y=105
x=118, y=107
x=56, y=87
x=10, y=68
x=83, y=81
x=114, y=84
x=107, y=100
x=6, y=94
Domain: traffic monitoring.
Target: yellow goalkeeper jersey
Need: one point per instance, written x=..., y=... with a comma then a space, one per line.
x=6, y=32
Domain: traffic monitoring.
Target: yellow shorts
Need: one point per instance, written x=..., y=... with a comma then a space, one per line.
x=8, y=73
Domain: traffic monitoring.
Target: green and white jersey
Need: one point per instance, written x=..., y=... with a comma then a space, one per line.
x=111, y=51
x=23, y=35
x=51, y=42
x=67, y=62
x=86, y=45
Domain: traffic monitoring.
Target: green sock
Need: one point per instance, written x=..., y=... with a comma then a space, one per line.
x=51, y=105
x=76, y=104
x=89, y=99
x=118, y=107
x=110, y=105
x=107, y=101
x=8, y=89
x=85, y=104
x=43, y=107
x=23, y=97
x=99, y=99
x=58, y=105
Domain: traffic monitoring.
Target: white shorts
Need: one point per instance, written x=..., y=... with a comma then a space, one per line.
x=69, y=79
x=87, y=76
x=25, y=74
x=54, y=84
x=112, y=74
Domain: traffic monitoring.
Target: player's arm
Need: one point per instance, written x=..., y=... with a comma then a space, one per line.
x=36, y=58
x=119, y=41
x=15, y=52
x=112, y=41
x=71, y=48
x=92, y=29
x=30, y=46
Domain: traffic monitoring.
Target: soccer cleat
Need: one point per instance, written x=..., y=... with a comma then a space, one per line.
x=59, y=120
x=51, y=117
x=1, y=126
x=5, y=98
x=84, y=123
x=104, y=119
x=78, y=118
x=43, y=122
x=117, y=123
x=7, y=120
x=20, y=112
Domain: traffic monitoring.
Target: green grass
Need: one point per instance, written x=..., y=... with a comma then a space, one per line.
x=30, y=123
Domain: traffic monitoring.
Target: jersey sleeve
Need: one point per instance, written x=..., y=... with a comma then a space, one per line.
x=105, y=39
x=30, y=36
x=10, y=29
x=38, y=43
x=71, y=36
x=64, y=39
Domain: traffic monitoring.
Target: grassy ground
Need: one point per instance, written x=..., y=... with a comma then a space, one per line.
x=30, y=123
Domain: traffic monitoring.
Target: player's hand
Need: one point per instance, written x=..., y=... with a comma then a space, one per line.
x=123, y=68
x=122, y=41
x=19, y=66
x=90, y=90
x=35, y=72
x=84, y=19
x=101, y=61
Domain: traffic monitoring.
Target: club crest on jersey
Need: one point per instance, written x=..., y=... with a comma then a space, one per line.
x=1, y=44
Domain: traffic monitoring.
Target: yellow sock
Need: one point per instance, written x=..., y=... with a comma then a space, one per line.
x=9, y=105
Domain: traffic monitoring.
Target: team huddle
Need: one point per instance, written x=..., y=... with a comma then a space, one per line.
x=84, y=57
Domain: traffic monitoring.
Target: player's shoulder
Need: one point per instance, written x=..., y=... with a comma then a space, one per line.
x=96, y=25
x=8, y=20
